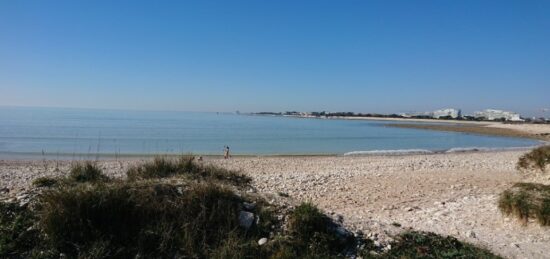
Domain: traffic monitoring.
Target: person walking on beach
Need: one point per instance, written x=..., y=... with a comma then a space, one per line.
x=226, y=152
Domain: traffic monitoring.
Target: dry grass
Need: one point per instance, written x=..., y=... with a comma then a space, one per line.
x=525, y=201
x=186, y=166
x=537, y=159
x=45, y=182
x=147, y=219
x=86, y=172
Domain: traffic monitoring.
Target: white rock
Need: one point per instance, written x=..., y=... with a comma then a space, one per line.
x=262, y=241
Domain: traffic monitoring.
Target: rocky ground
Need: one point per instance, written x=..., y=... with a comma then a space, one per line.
x=449, y=194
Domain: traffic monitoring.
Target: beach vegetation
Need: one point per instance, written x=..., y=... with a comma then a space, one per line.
x=17, y=233
x=45, y=181
x=185, y=166
x=186, y=210
x=152, y=220
x=416, y=244
x=313, y=233
x=86, y=172
x=527, y=201
x=536, y=159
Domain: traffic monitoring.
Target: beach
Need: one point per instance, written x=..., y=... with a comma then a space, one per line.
x=489, y=128
x=450, y=194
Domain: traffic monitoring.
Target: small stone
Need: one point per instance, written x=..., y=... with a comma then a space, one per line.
x=21, y=197
x=262, y=241
x=471, y=234
x=408, y=209
x=246, y=219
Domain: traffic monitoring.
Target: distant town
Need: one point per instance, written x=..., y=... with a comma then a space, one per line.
x=442, y=114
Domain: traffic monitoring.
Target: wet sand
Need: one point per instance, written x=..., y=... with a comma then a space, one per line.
x=533, y=131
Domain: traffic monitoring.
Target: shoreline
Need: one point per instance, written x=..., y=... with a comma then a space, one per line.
x=358, y=153
x=486, y=130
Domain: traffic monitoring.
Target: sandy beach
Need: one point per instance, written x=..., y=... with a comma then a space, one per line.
x=450, y=194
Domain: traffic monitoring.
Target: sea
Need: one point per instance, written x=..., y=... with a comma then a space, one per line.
x=85, y=133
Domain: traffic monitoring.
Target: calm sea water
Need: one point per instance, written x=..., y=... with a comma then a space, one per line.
x=82, y=131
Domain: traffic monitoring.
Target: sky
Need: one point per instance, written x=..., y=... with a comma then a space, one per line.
x=361, y=56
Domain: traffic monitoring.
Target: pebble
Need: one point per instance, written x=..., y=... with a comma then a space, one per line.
x=262, y=241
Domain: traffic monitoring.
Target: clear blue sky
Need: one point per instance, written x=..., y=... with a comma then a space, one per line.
x=363, y=56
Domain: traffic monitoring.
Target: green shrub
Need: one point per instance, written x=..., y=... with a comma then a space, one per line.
x=306, y=220
x=429, y=245
x=147, y=219
x=538, y=159
x=45, y=182
x=86, y=172
x=313, y=232
x=162, y=167
x=17, y=236
x=527, y=200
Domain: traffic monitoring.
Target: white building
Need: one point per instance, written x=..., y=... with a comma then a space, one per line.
x=453, y=113
x=491, y=114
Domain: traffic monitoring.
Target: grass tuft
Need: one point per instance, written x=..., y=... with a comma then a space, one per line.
x=537, y=159
x=185, y=166
x=313, y=233
x=147, y=219
x=17, y=236
x=525, y=201
x=86, y=172
x=429, y=245
x=45, y=182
